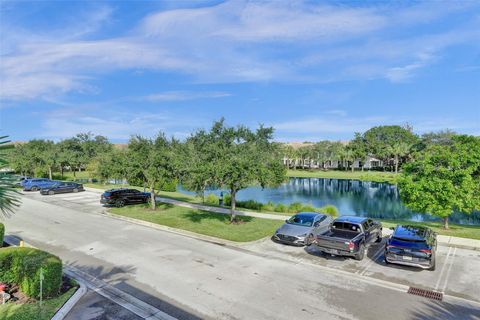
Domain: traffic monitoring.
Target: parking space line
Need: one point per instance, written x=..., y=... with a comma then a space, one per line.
x=449, y=270
x=370, y=263
x=443, y=268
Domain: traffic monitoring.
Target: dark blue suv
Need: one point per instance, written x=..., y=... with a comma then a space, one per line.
x=36, y=184
x=412, y=246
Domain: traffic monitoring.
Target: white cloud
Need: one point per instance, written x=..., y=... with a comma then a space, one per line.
x=236, y=41
x=183, y=96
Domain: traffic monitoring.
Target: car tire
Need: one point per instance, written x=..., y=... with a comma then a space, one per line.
x=51, y=192
x=432, y=268
x=119, y=203
x=75, y=190
x=379, y=237
x=361, y=253
x=34, y=188
x=309, y=240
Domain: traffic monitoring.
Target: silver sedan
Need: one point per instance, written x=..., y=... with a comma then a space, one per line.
x=302, y=228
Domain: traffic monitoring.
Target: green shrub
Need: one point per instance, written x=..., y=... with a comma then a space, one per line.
x=2, y=234
x=295, y=207
x=227, y=199
x=330, y=210
x=309, y=208
x=23, y=266
x=169, y=186
x=250, y=204
x=269, y=206
x=281, y=208
x=212, y=199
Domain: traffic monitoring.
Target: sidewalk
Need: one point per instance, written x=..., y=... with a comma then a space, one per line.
x=465, y=243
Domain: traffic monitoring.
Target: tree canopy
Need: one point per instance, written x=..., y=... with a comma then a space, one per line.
x=444, y=178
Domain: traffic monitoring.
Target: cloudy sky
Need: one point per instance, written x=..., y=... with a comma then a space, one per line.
x=312, y=69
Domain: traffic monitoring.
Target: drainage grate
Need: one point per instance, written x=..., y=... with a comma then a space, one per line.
x=426, y=293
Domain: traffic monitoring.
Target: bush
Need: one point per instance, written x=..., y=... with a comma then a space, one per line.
x=330, y=210
x=250, y=204
x=2, y=234
x=295, y=207
x=281, y=208
x=22, y=266
x=169, y=186
x=309, y=208
x=269, y=206
x=212, y=199
x=227, y=200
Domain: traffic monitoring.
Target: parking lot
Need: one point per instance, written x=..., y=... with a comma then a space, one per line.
x=457, y=272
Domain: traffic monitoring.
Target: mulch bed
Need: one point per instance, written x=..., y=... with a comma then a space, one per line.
x=18, y=297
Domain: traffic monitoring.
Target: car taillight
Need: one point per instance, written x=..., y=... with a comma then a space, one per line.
x=425, y=250
x=351, y=245
x=390, y=247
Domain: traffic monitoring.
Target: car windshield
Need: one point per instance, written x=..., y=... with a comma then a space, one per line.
x=301, y=220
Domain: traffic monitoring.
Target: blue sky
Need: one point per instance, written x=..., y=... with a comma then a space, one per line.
x=312, y=69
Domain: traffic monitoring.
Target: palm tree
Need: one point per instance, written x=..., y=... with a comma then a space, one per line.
x=349, y=155
x=8, y=195
x=399, y=150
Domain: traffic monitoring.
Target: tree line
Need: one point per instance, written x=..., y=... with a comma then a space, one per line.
x=392, y=145
x=441, y=171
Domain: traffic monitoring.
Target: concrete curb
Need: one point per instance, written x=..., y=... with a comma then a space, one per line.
x=463, y=243
x=70, y=303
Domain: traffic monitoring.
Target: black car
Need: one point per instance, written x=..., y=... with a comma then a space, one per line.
x=412, y=246
x=349, y=236
x=121, y=197
x=62, y=187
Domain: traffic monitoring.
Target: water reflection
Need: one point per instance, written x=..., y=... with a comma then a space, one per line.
x=351, y=197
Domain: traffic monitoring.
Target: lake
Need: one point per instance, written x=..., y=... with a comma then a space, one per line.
x=351, y=197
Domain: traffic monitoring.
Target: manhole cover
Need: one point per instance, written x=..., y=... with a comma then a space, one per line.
x=426, y=293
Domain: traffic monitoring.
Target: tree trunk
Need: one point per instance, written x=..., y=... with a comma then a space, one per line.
x=153, y=204
x=232, y=207
x=396, y=163
x=61, y=169
x=353, y=165
x=73, y=170
x=50, y=173
x=445, y=223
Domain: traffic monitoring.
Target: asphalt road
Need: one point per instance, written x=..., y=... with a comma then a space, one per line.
x=190, y=279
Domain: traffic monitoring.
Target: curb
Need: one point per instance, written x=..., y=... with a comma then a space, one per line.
x=444, y=240
x=70, y=303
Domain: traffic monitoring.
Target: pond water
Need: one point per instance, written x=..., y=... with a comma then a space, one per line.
x=351, y=197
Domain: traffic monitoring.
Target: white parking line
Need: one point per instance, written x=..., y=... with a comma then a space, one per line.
x=369, y=263
x=449, y=270
x=443, y=269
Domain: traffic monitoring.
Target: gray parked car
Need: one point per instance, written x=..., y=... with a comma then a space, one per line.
x=302, y=228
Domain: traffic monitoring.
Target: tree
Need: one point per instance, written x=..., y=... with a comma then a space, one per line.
x=71, y=154
x=444, y=178
x=399, y=150
x=152, y=160
x=442, y=137
x=240, y=157
x=358, y=146
x=378, y=140
x=349, y=156
x=8, y=195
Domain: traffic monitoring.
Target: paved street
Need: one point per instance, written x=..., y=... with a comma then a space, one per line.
x=190, y=279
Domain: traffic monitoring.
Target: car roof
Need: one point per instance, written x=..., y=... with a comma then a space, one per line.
x=309, y=214
x=119, y=189
x=410, y=232
x=353, y=219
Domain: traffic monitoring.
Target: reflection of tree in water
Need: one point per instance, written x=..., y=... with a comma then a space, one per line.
x=373, y=199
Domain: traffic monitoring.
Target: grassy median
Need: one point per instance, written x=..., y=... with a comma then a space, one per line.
x=202, y=222
x=374, y=176
x=32, y=310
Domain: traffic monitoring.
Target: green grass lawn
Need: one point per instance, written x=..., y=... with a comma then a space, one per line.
x=455, y=230
x=32, y=311
x=68, y=175
x=202, y=222
x=375, y=176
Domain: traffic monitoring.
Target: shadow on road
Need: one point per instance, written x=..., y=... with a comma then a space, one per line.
x=444, y=311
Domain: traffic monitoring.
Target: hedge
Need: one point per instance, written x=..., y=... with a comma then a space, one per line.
x=22, y=266
x=2, y=234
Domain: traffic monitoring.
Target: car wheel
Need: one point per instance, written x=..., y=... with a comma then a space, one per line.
x=75, y=190
x=385, y=259
x=51, y=192
x=432, y=268
x=361, y=253
x=119, y=203
x=379, y=237
x=309, y=240
x=34, y=188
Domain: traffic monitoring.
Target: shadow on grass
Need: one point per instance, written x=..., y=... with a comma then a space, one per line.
x=225, y=218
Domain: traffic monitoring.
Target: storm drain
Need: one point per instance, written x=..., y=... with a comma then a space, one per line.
x=426, y=293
